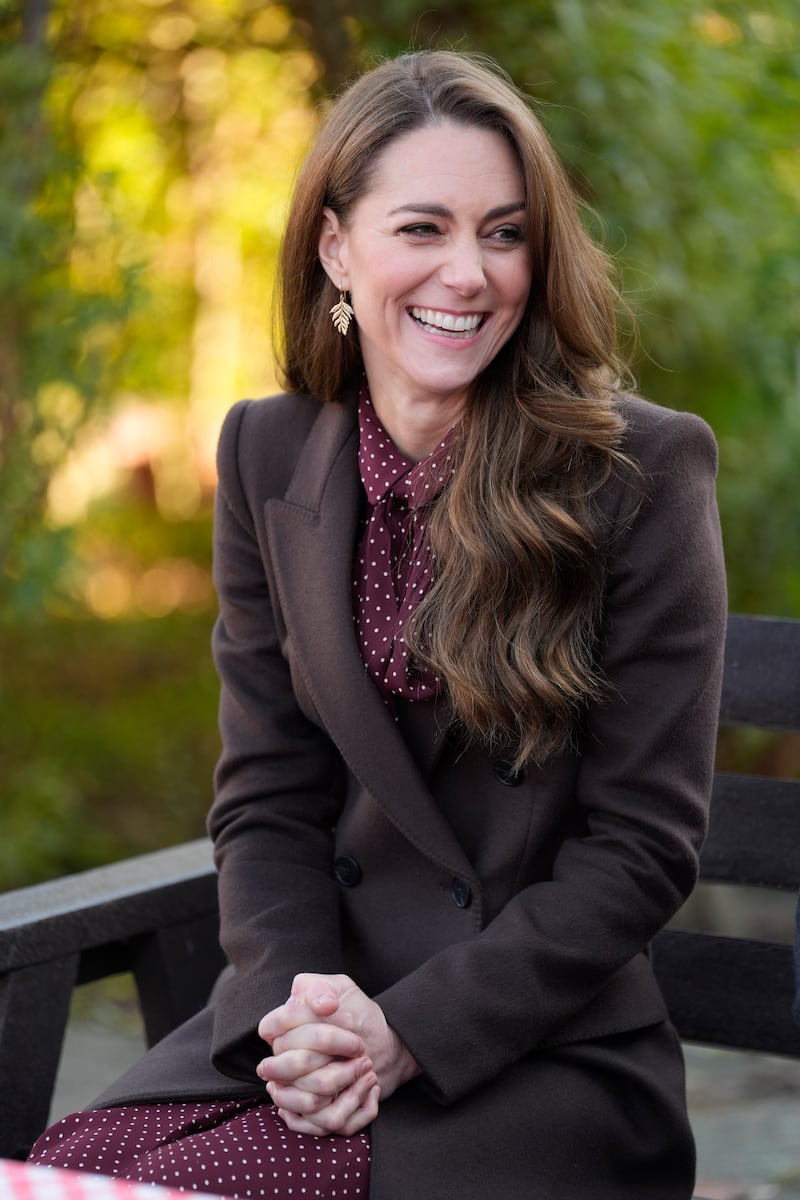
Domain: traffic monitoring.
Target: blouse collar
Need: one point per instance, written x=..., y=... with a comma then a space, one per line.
x=386, y=470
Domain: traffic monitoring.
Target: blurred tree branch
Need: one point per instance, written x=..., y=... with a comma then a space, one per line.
x=323, y=26
x=34, y=21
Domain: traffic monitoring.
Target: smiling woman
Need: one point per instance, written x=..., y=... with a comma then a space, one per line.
x=438, y=283
x=470, y=636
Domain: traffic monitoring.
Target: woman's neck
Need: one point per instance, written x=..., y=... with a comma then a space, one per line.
x=417, y=425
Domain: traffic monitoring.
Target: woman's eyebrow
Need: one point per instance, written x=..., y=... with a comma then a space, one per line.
x=440, y=210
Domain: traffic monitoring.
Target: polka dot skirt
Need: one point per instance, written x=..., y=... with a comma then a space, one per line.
x=393, y=563
x=238, y=1149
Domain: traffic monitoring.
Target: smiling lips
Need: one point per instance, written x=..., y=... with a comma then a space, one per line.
x=463, y=325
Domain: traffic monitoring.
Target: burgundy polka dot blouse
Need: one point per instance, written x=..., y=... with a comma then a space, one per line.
x=393, y=562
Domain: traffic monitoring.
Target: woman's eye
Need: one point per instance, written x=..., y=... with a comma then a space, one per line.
x=421, y=230
x=510, y=235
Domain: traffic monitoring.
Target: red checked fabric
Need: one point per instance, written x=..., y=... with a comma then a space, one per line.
x=18, y=1181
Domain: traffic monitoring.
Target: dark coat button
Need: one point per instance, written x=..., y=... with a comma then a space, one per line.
x=347, y=870
x=504, y=771
x=461, y=893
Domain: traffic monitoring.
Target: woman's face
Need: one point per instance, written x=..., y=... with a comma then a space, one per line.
x=434, y=255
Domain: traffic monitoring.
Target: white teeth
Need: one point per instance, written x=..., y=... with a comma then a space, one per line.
x=447, y=321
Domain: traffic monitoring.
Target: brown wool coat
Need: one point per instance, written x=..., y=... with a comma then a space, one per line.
x=500, y=922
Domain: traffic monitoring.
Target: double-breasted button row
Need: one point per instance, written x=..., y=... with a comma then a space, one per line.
x=347, y=870
x=505, y=771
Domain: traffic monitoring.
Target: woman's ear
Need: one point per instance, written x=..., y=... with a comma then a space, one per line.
x=333, y=249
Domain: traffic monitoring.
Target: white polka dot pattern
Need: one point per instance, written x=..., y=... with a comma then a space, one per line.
x=393, y=565
x=237, y=1149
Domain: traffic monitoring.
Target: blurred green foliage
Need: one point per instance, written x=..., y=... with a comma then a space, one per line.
x=145, y=154
x=55, y=342
x=107, y=741
x=146, y=151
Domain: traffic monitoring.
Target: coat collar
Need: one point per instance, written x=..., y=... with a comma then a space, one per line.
x=312, y=532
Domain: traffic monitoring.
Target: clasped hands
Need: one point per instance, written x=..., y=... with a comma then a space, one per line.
x=334, y=1056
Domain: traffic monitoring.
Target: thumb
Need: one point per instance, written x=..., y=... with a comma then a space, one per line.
x=316, y=992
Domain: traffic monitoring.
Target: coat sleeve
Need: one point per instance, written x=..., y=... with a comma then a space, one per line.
x=278, y=790
x=641, y=797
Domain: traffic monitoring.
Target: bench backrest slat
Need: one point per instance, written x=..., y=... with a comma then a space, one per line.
x=728, y=991
x=754, y=833
x=761, y=682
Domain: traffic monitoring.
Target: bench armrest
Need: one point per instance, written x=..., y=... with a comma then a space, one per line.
x=155, y=915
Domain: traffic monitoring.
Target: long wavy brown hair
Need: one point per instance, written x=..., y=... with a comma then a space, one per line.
x=511, y=622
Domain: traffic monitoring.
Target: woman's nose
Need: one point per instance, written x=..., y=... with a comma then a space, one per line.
x=463, y=268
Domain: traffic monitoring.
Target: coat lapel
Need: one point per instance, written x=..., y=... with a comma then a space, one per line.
x=312, y=533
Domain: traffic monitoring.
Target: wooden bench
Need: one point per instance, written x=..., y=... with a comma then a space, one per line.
x=156, y=916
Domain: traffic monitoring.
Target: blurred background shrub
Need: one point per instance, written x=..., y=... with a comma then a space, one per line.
x=147, y=148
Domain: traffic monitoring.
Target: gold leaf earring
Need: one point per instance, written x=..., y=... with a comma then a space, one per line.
x=342, y=314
